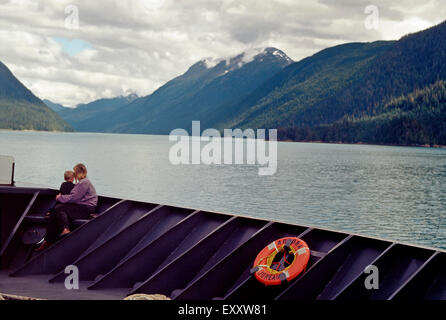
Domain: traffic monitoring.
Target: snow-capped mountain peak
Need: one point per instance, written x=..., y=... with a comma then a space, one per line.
x=248, y=56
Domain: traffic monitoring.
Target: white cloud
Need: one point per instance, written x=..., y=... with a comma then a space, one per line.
x=140, y=44
x=395, y=30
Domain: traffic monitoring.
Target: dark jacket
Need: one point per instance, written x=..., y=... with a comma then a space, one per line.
x=66, y=187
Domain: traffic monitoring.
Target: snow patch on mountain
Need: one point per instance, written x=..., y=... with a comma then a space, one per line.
x=251, y=54
x=237, y=62
x=282, y=55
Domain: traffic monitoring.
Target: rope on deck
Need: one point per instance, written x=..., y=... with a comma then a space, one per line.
x=6, y=296
x=146, y=297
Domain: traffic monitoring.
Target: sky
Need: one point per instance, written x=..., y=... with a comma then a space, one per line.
x=77, y=51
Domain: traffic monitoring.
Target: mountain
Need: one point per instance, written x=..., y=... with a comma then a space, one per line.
x=347, y=93
x=299, y=87
x=56, y=107
x=306, y=97
x=205, y=88
x=418, y=118
x=87, y=117
x=412, y=63
x=20, y=109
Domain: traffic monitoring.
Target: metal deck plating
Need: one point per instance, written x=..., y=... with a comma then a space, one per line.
x=188, y=254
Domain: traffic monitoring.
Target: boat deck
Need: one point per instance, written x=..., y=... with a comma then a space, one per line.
x=38, y=286
x=187, y=254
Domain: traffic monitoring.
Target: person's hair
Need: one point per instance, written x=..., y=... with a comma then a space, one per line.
x=80, y=171
x=68, y=175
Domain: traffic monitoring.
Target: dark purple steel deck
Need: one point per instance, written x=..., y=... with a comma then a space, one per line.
x=186, y=254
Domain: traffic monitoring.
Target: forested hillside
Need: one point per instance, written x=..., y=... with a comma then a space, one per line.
x=350, y=85
x=301, y=86
x=20, y=109
x=90, y=116
x=418, y=118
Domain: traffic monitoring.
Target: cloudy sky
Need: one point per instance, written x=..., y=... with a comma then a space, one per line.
x=77, y=51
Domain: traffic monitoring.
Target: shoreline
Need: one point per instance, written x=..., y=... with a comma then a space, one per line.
x=435, y=146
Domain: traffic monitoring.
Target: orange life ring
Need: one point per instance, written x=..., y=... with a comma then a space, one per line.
x=282, y=260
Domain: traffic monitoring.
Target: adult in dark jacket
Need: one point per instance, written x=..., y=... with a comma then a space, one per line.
x=79, y=204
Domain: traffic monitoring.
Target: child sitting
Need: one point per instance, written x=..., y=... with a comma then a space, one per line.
x=65, y=187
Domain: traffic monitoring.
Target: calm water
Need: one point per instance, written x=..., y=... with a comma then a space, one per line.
x=391, y=192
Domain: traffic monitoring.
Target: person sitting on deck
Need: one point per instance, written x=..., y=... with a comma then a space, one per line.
x=65, y=187
x=79, y=204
